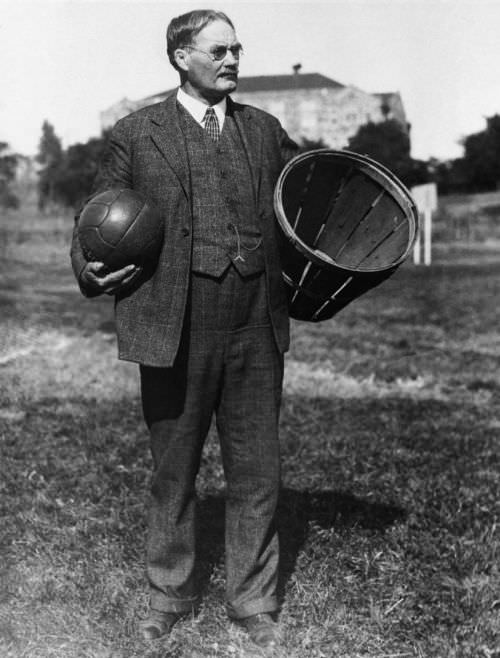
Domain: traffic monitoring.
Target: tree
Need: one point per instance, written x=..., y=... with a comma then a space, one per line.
x=67, y=175
x=8, y=164
x=73, y=182
x=388, y=143
x=481, y=161
x=310, y=144
x=50, y=156
x=449, y=175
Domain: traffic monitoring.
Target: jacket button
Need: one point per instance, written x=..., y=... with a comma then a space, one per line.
x=185, y=232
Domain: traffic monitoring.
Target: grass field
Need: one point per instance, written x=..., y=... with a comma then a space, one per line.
x=390, y=436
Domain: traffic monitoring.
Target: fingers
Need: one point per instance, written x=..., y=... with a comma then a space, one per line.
x=118, y=276
x=95, y=266
x=132, y=276
x=98, y=277
x=125, y=282
x=89, y=275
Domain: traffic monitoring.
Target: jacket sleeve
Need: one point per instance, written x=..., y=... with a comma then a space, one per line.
x=115, y=170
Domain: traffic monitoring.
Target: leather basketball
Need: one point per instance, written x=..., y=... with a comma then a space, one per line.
x=121, y=227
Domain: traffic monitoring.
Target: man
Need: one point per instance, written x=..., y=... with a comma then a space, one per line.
x=210, y=325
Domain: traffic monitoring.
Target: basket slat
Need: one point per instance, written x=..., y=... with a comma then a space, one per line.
x=346, y=224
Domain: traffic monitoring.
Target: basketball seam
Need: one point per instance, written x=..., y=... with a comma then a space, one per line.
x=131, y=225
x=119, y=245
x=109, y=244
x=89, y=251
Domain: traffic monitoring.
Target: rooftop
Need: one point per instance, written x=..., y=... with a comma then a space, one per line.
x=277, y=83
x=285, y=82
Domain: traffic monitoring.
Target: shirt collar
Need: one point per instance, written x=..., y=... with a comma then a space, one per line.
x=197, y=109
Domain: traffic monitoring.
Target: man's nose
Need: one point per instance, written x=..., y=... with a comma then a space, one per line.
x=231, y=59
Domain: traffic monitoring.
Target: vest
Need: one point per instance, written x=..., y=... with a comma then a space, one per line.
x=225, y=228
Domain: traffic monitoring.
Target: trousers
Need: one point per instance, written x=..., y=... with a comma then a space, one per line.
x=228, y=367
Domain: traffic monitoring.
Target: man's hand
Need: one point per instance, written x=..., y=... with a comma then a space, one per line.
x=96, y=276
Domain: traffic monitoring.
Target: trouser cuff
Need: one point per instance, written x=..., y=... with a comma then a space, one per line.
x=163, y=604
x=256, y=607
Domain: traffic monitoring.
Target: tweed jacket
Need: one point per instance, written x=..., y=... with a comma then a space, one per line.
x=147, y=153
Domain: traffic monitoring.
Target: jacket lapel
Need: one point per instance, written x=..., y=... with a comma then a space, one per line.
x=167, y=135
x=251, y=136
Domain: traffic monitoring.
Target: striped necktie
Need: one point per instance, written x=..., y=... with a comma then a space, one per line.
x=212, y=124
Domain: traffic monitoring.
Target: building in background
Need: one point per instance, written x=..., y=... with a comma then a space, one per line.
x=309, y=105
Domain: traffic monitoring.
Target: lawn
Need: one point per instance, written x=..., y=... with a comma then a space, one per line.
x=389, y=513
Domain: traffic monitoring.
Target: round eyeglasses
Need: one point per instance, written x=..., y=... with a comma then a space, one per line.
x=218, y=53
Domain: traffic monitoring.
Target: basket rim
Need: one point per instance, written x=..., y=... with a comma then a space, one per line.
x=391, y=183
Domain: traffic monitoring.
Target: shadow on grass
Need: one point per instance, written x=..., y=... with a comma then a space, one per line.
x=296, y=512
x=327, y=509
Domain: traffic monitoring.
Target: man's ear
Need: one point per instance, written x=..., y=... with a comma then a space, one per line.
x=180, y=56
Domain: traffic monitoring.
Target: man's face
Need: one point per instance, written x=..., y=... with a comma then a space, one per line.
x=207, y=79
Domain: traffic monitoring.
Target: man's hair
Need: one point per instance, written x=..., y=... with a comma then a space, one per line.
x=182, y=30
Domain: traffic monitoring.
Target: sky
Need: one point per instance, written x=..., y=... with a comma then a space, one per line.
x=67, y=60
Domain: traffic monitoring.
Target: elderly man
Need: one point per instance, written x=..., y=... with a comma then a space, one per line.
x=210, y=325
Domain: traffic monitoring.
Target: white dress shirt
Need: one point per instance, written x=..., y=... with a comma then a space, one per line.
x=197, y=109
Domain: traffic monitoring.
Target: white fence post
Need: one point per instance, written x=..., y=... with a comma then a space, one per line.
x=417, y=247
x=425, y=197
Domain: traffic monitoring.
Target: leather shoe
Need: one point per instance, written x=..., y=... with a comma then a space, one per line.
x=157, y=624
x=262, y=630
